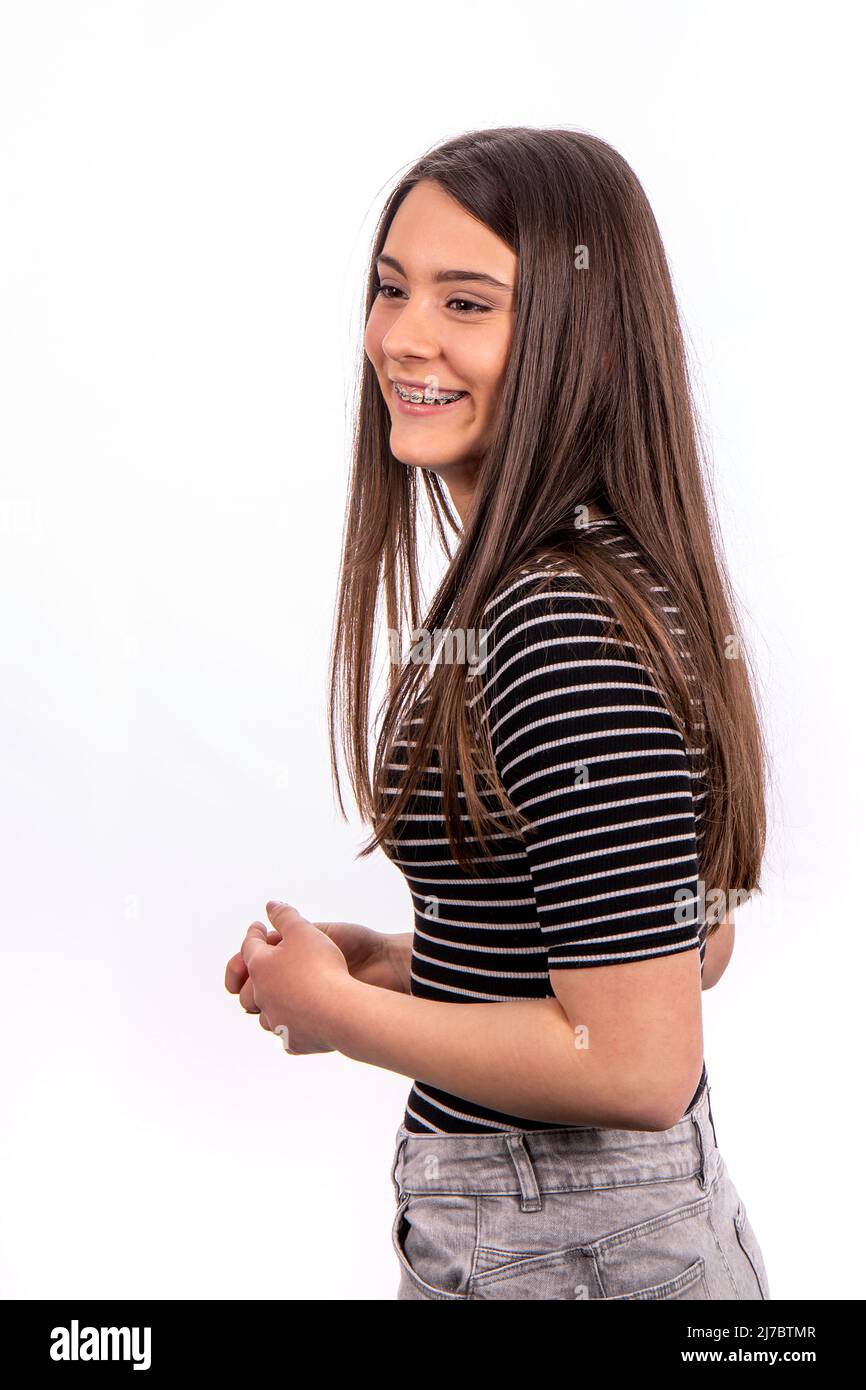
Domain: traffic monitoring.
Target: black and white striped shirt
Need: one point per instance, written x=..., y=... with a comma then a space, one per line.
x=587, y=750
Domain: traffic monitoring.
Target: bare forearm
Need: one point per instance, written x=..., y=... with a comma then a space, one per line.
x=517, y=1057
x=399, y=951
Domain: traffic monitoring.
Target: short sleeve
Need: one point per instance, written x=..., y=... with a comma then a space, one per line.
x=588, y=752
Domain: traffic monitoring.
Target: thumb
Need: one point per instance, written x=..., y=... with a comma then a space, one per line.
x=283, y=916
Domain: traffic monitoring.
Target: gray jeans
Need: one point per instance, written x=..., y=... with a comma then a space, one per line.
x=573, y=1213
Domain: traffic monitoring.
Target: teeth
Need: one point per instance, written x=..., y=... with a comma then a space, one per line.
x=416, y=396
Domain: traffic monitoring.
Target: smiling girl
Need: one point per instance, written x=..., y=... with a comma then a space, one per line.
x=563, y=808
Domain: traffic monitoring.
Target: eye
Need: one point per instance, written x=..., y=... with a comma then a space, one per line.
x=462, y=306
x=470, y=306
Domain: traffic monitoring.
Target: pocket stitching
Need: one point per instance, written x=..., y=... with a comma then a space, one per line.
x=524, y=1262
x=528, y=1261
x=650, y=1226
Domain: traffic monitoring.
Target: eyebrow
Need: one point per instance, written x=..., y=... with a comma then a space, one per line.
x=443, y=276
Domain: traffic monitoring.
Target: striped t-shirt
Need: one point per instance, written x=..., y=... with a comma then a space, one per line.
x=588, y=752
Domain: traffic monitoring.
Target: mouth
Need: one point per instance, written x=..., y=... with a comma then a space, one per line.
x=417, y=398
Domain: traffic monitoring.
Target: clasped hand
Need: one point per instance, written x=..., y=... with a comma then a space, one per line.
x=290, y=977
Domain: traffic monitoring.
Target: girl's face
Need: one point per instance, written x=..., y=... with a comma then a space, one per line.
x=442, y=323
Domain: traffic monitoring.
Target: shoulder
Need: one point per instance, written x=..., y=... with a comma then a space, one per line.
x=539, y=587
x=551, y=652
x=541, y=606
x=553, y=649
x=550, y=587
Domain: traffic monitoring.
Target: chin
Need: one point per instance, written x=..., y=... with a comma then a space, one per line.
x=428, y=455
x=415, y=461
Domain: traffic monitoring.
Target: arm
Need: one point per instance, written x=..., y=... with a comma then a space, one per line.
x=375, y=958
x=520, y=1057
x=398, y=953
x=587, y=751
x=720, y=948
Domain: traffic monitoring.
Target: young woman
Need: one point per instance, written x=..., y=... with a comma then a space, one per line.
x=569, y=769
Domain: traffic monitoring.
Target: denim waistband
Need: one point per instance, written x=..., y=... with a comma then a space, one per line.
x=528, y=1163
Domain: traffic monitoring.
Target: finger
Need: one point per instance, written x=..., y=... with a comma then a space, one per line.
x=255, y=943
x=263, y=1020
x=236, y=970
x=283, y=916
x=236, y=973
x=248, y=999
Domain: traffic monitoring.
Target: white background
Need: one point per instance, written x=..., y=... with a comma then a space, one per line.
x=188, y=194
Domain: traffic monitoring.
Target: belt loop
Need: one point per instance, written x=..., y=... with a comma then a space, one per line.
x=710, y=1114
x=398, y=1154
x=696, y=1127
x=530, y=1197
x=713, y=1158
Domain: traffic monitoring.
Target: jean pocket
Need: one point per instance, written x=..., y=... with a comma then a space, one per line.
x=434, y=1238
x=748, y=1243
x=563, y=1274
x=692, y=1283
x=664, y=1257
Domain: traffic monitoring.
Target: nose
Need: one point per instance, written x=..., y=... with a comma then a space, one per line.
x=411, y=335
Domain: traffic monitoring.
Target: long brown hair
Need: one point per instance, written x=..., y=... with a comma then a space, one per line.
x=595, y=410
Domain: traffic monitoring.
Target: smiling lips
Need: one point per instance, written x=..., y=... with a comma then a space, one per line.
x=412, y=394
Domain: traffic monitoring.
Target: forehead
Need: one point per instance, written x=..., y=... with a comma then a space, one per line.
x=431, y=231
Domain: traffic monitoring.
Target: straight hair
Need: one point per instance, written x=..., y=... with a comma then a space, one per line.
x=595, y=410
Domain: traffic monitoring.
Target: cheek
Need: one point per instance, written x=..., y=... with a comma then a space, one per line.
x=483, y=364
x=373, y=335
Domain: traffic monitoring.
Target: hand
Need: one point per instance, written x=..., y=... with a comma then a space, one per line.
x=373, y=957
x=289, y=976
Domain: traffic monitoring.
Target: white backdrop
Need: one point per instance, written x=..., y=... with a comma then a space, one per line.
x=188, y=194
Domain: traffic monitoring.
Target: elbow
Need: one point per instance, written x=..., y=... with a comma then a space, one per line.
x=658, y=1101
x=663, y=1118
x=668, y=1103
x=654, y=1109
